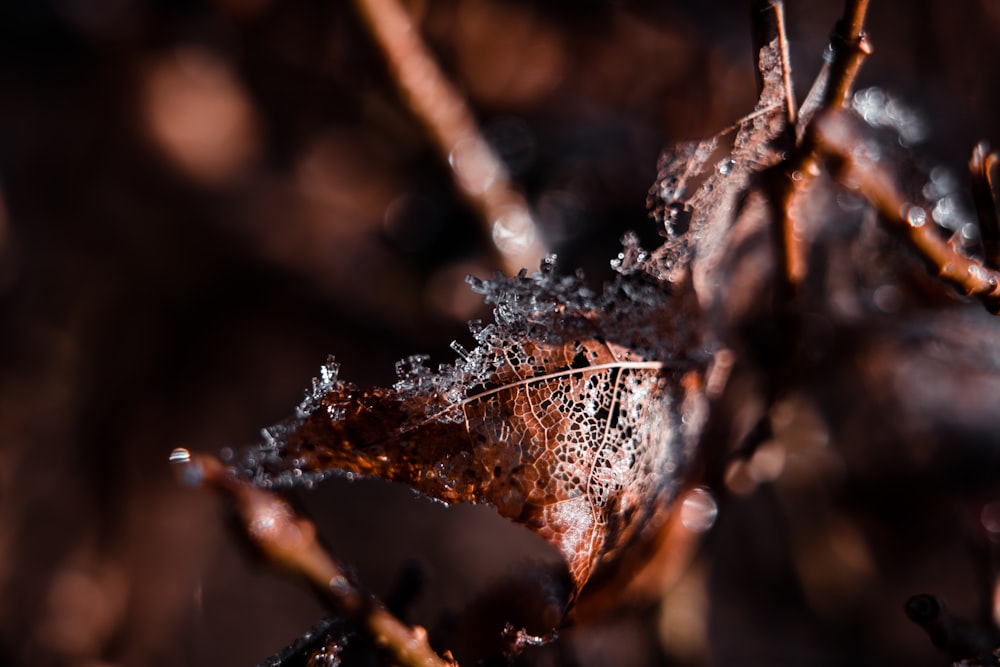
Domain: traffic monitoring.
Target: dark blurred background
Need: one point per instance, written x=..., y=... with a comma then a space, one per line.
x=201, y=200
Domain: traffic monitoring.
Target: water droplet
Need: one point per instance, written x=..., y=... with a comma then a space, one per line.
x=880, y=109
x=725, y=167
x=916, y=216
x=514, y=231
x=942, y=182
x=978, y=273
x=970, y=231
x=699, y=510
x=945, y=213
x=474, y=164
x=180, y=455
x=339, y=586
x=191, y=472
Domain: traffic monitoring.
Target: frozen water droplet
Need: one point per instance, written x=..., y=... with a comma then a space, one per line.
x=978, y=273
x=880, y=109
x=970, y=231
x=514, y=231
x=915, y=215
x=340, y=587
x=180, y=455
x=942, y=182
x=699, y=510
x=191, y=472
x=474, y=164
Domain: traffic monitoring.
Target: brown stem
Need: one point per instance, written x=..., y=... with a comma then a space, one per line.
x=791, y=110
x=289, y=541
x=836, y=137
x=850, y=46
x=478, y=171
x=982, y=167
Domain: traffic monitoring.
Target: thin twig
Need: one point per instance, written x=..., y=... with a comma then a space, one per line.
x=850, y=46
x=478, y=171
x=289, y=540
x=983, y=167
x=791, y=110
x=835, y=137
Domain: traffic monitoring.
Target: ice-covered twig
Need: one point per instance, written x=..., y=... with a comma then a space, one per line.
x=478, y=170
x=836, y=137
x=289, y=540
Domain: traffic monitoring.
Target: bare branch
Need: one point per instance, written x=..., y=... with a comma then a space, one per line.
x=836, y=137
x=850, y=46
x=289, y=540
x=982, y=167
x=791, y=109
x=478, y=171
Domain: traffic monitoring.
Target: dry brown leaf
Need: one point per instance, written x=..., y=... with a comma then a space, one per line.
x=576, y=415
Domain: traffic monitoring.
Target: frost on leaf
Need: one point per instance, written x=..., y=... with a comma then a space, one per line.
x=574, y=413
x=701, y=185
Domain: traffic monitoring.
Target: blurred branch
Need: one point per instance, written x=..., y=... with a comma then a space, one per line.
x=983, y=166
x=289, y=540
x=478, y=171
x=849, y=46
x=836, y=137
